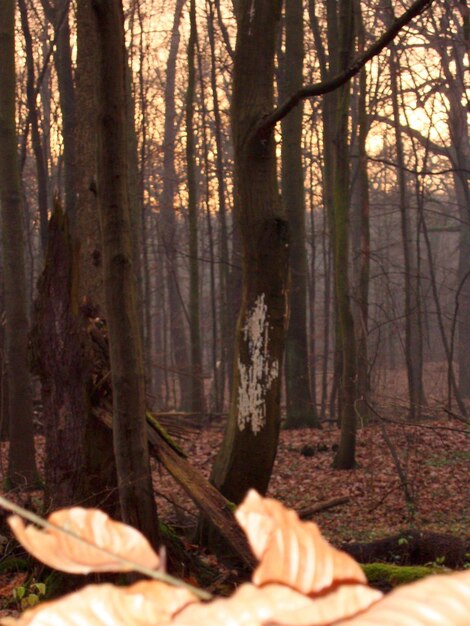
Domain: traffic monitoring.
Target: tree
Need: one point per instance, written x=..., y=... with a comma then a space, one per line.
x=250, y=442
x=300, y=409
x=126, y=355
x=197, y=389
x=249, y=446
x=413, y=331
x=340, y=28
x=21, y=466
x=168, y=219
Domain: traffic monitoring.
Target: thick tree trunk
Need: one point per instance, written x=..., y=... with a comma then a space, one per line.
x=67, y=383
x=87, y=217
x=250, y=442
x=127, y=368
x=21, y=466
x=300, y=409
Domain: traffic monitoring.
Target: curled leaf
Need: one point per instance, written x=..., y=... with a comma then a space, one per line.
x=290, y=551
x=434, y=601
x=68, y=554
x=146, y=603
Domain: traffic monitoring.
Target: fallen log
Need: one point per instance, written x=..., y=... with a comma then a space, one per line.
x=206, y=497
x=412, y=547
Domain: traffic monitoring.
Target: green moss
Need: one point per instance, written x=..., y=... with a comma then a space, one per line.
x=394, y=575
x=154, y=423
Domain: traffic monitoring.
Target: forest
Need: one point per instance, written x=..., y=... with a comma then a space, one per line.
x=234, y=295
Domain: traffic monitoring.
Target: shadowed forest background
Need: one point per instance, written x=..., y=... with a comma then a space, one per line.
x=224, y=218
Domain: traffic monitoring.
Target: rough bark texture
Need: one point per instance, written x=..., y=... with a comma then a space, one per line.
x=249, y=446
x=127, y=369
x=300, y=409
x=21, y=466
x=87, y=217
x=64, y=360
x=336, y=118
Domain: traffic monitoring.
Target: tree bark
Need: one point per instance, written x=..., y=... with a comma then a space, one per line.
x=21, y=471
x=127, y=367
x=168, y=220
x=41, y=166
x=250, y=442
x=413, y=332
x=301, y=411
x=197, y=389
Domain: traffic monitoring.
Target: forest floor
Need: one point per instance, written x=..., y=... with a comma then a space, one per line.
x=432, y=457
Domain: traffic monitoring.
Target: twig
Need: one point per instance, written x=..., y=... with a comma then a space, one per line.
x=156, y=575
x=401, y=474
x=460, y=418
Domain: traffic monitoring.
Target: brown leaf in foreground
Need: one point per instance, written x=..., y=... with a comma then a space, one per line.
x=146, y=603
x=255, y=606
x=434, y=601
x=290, y=551
x=63, y=552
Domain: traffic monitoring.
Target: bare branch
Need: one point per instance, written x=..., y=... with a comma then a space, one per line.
x=319, y=89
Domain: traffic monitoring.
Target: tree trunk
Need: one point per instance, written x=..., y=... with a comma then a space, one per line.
x=197, y=388
x=168, y=220
x=336, y=154
x=360, y=234
x=300, y=409
x=227, y=328
x=413, y=333
x=41, y=167
x=57, y=14
x=250, y=442
x=21, y=471
x=127, y=368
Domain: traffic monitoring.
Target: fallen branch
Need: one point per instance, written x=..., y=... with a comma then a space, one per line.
x=310, y=511
x=206, y=497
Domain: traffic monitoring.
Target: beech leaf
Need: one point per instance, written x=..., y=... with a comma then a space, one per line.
x=290, y=551
x=434, y=601
x=251, y=605
x=68, y=554
x=248, y=605
x=146, y=603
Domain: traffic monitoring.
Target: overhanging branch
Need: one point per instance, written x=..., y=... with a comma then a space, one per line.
x=319, y=89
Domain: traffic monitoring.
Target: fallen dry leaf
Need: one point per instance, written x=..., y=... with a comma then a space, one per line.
x=254, y=606
x=329, y=607
x=290, y=551
x=434, y=601
x=248, y=605
x=146, y=603
x=66, y=553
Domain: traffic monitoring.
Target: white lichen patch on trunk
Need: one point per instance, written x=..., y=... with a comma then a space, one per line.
x=257, y=376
